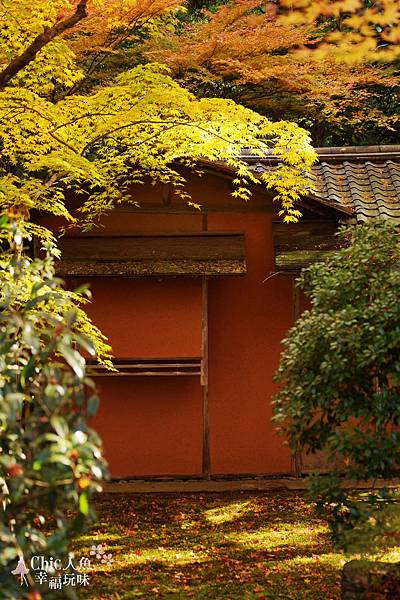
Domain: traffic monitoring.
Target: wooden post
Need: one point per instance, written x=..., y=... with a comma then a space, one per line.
x=297, y=466
x=204, y=380
x=296, y=300
x=166, y=194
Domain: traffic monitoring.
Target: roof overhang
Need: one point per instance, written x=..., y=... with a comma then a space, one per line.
x=143, y=255
x=307, y=201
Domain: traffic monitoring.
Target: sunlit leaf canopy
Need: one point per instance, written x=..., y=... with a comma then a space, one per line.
x=367, y=29
x=57, y=140
x=270, y=60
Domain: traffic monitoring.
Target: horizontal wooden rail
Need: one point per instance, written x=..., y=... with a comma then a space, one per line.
x=160, y=367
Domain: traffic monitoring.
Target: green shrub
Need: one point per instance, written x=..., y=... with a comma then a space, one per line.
x=340, y=375
x=50, y=460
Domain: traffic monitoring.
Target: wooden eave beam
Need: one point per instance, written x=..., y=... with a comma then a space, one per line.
x=298, y=245
x=198, y=253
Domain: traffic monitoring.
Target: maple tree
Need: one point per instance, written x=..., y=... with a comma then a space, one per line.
x=362, y=30
x=107, y=41
x=356, y=34
x=247, y=51
x=137, y=125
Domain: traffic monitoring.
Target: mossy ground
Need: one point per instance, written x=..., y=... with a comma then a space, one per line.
x=234, y=546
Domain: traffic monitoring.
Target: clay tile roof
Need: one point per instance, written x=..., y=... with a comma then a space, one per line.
x=365, y=180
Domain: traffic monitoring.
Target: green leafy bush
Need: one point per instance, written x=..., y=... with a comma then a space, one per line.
x=340, y=371
x=50, y=460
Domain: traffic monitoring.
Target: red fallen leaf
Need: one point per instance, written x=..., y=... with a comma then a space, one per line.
x=138, y=552
x=258, y=590
x=15, y=470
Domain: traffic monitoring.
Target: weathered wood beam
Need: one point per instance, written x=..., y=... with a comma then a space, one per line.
x=300, y=244
x=149, y=268
x=296, y=260
x=199, y=253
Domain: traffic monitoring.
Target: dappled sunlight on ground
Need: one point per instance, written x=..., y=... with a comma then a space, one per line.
x=238, y=546
x=293, y=535
x=228, y=512
x=163, y=555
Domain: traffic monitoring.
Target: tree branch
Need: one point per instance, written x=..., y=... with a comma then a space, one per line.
x=47, y=35
x=151, y=122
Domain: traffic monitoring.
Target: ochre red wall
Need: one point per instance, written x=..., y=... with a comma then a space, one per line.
x=150, y=425
x=247, y=321
x=156, y=318
x=153, y=425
